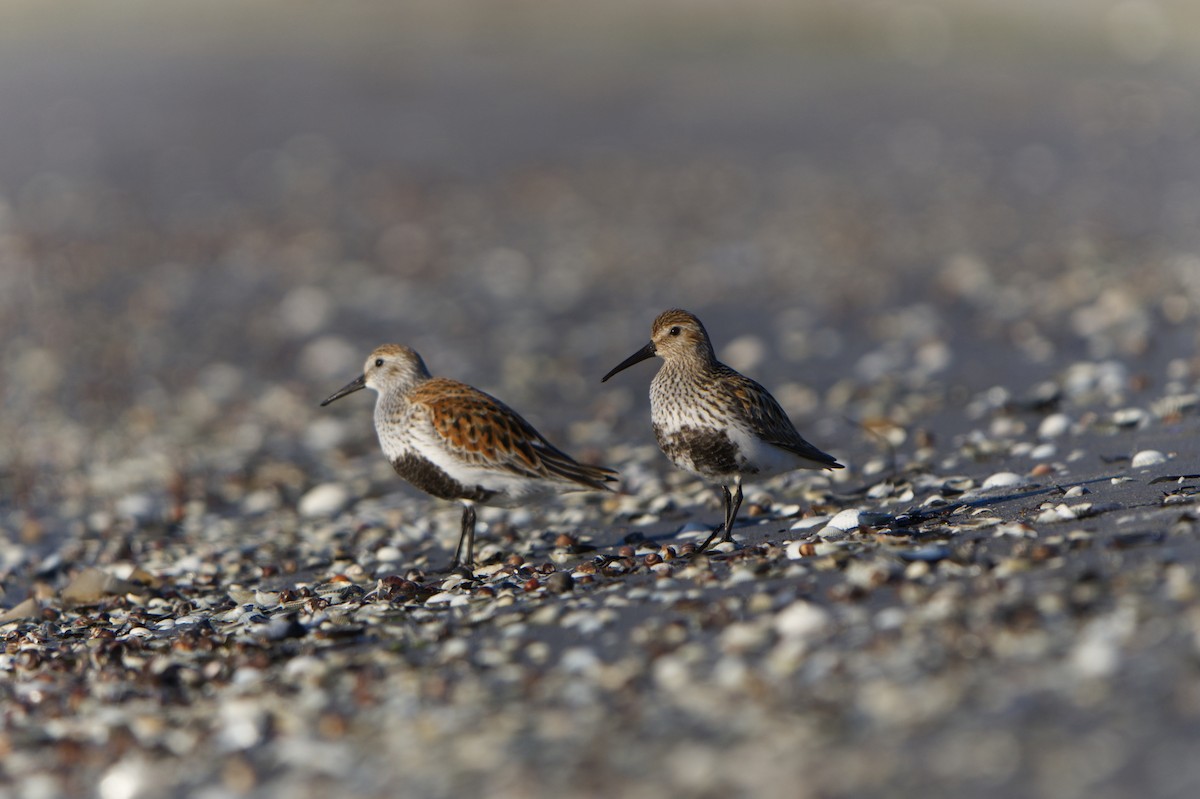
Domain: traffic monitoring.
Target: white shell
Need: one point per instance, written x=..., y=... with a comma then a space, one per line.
x=1148, y=457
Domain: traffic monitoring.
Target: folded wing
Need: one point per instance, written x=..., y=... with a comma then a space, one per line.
x=480, y=431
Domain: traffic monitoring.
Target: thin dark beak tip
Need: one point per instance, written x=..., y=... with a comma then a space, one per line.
x=354, y=385
x=645, y=352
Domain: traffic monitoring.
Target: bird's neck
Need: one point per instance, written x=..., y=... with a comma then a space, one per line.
x=398, y=398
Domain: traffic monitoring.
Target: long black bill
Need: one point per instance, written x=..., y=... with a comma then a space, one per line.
x=645, y=352
x=356, y=384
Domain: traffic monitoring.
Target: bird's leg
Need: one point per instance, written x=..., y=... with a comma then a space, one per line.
x=464, y=565
x=724, y=525
x=732, y=509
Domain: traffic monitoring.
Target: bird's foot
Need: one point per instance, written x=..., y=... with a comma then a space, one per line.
x=720, y=528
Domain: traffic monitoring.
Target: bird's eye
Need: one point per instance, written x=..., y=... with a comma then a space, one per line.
x=378, y=362
x=675, y=331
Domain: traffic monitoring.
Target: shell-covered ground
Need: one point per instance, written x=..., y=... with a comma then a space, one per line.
x=957, y=242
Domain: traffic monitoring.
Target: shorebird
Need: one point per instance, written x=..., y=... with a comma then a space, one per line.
x=455, y=442
x=713, y=421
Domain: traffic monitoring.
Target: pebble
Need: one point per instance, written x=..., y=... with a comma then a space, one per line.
x=91, y=585
x=795, y=550
x=26, y=609
x=261, y=501
x=1147, y=457
x=1054, y=425
x=846, y=520
x=1015, y=530
x=1063, y=512
x=325, y=499
x=1004, y=480
x=266, y=616
x=802, y=620
x=929, y=554
x=1131, y=417
x=141, y=507
x=1042, y=452
x=742, y=637
x=388, y=554
x=694, y=529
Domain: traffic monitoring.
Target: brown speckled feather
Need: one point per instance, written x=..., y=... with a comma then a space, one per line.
x=482, y=431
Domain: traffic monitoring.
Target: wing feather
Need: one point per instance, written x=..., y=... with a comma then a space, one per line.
x=768, y=420
x=482, y=432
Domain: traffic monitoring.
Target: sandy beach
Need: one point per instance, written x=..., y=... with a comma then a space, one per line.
x=958, y=243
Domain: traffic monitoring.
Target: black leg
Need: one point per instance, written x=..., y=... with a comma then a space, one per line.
x=721, y=527
x=733, y=509
x=461, y=564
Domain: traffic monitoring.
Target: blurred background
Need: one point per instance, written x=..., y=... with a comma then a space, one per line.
x=211, y=212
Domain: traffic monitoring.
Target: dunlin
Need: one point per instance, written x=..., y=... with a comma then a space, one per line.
x=713, y=421
x=456, y=442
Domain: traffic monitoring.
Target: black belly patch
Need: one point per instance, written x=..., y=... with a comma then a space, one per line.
x=709, y=451
x=428, y=477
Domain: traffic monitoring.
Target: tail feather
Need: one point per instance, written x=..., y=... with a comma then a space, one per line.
x=822, y=460
x=597, y=477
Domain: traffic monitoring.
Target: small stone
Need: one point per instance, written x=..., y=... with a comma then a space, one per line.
x=956, y=485
x=1181, y=586
x=325, y=499
x=1004, y=480
x=847, y=520
x=1057, y=513
x=741, y=637
x=800, y=549
x=388, y=554
x=1043, y=451
x=560, y=583
x=801, y=620
x=693, y=530
x=91, y=585
x=137, y=506
x=1015, y=530
x=917, y=569
x=929, y=554
x=1131, y=417
x=260, y=501
x=1147, y=457
x=1054, y=425
x=29, y=609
